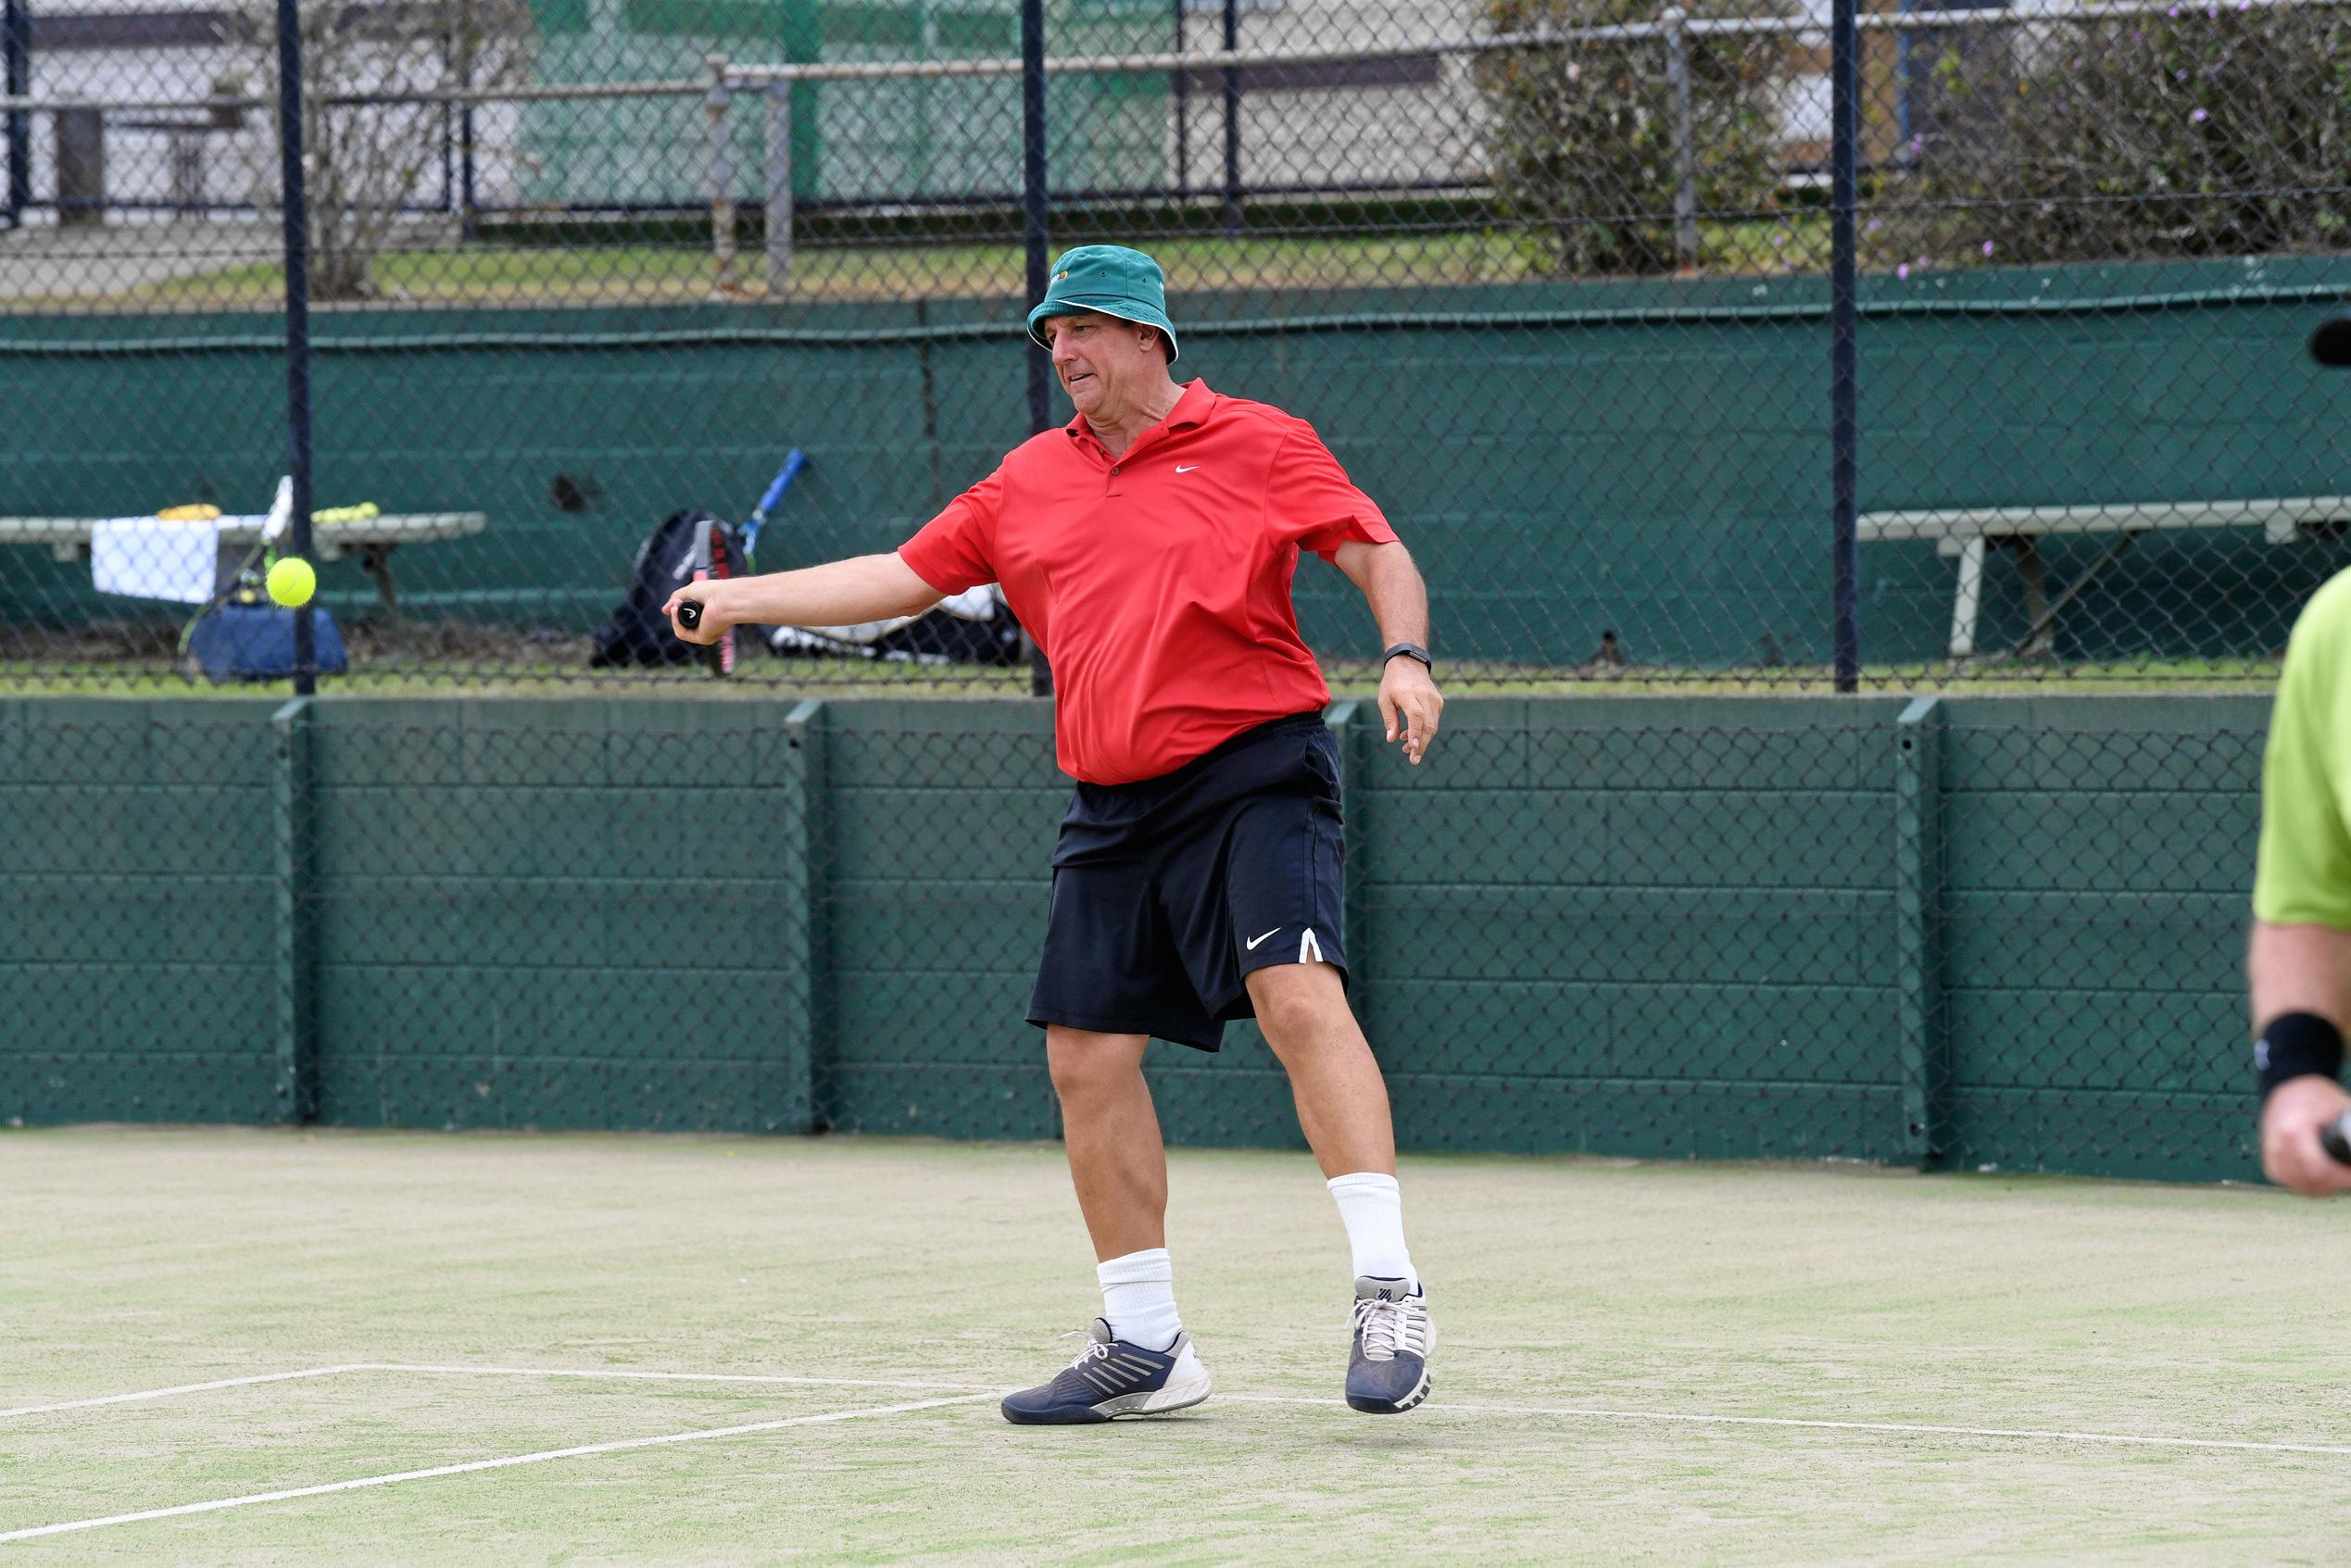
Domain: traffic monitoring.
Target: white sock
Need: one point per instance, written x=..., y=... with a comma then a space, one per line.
x=1372, y=1208
x=1139, y=1297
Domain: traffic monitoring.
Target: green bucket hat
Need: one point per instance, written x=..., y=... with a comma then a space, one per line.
x=1111, y=280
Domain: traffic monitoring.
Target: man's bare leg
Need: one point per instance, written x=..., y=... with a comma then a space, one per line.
x=1343, y=1099
x=1145, y=1363
x=1116, y=1159
x=1342, y=1105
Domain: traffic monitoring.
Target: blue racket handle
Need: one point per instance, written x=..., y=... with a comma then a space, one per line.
x=780, y=484
x=2335, y=1138
x=783, y=481
x=689, y=615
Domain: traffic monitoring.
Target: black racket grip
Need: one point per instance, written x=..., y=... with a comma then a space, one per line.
x=690, y=614
x=2335, y=1138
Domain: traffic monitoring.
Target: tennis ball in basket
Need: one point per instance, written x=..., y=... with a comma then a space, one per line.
x=291, y=582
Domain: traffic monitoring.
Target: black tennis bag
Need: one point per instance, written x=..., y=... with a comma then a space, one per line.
x=638, y=633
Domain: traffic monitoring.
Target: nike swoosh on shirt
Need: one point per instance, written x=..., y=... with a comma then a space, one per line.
x=1181, y=468
x=1252, y=946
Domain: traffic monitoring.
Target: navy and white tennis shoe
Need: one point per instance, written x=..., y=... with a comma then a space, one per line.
x=1111, y=1378
x=1388, y=1373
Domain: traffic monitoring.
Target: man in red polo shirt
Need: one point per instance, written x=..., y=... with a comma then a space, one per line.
x=1149, y=546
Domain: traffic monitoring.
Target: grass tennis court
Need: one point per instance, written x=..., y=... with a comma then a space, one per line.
x=1628, y=1354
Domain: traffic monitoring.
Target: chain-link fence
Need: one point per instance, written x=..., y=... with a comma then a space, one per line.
x=1554, y=278
x=1869, y=933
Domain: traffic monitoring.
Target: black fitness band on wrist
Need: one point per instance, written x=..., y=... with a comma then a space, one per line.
x=1407, y=650
x=2295, y=1045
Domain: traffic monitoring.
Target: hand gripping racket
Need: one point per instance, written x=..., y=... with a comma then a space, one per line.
x=719, y=656
x=690, y=614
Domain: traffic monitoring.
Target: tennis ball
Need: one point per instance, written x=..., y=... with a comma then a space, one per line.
x=291, y=582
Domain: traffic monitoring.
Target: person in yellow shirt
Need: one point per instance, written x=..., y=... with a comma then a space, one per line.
x=2298, y=964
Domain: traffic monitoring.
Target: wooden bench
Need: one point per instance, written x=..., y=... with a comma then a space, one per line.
x=1968, y=533
x=372, y=540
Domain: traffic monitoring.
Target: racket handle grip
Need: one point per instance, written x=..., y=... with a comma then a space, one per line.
x=2335, y=1138
x=781, y=481
x=689, y=615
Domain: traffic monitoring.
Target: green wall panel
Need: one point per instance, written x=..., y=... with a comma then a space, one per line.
x=524, y=920
x=136, y=913
x=2093, y=910
x=1638, y=926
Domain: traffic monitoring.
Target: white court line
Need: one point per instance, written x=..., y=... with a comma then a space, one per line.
x=1682, y=1417
x=143, y=1394
x=1685, y=1418
x=974, y=1390
x=673, y=1377
x=178, y=1388
x=962, y=1394
x=541, y=1458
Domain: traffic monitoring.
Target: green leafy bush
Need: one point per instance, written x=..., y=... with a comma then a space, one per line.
x=2205, y=132
x=1583, y=149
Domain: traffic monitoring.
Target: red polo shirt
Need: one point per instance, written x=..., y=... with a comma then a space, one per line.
x=1157, y=581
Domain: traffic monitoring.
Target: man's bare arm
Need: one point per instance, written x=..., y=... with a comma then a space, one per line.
x=2301, y=969
x=1409, y=700
x=1392, y=583
x=2298, y=969
x=839, y=593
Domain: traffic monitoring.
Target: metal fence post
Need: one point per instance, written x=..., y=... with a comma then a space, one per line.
x=16, y=72
x=718, y=102
x=469, y=212
x=778, y=217
x=295, y=845
x=1232, y=120
x=1917, y=916
x=1677, y=22
x=1181, y=82
x=298, y=328
x=1035, y=177
x=805, y=1009
x=1843, y=351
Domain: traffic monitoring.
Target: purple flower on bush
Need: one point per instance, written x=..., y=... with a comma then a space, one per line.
x=2198, y=118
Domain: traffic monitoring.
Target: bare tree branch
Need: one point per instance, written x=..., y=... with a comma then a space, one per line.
x=364, y=164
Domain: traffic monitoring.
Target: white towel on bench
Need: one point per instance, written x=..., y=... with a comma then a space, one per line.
x=145, y=557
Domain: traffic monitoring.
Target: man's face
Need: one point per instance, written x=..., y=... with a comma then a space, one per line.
x=1105, y=365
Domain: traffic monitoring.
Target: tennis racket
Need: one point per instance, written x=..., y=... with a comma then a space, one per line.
x=708, y=563
x=720, y=655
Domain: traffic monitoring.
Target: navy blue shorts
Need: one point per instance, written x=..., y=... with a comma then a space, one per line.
x=1168, y=891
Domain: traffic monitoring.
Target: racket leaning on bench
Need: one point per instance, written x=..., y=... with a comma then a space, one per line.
x=708, y=561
